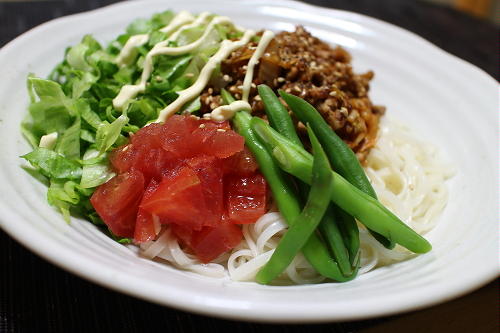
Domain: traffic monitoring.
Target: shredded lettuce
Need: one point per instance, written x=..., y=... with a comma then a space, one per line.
x=76, y=103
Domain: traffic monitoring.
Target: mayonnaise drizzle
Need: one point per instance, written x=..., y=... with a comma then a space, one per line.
x=127, y=54
x=201, y=19
x=128, y=92
x=190, y=93
x=48, y=141
x=226, y=112
x=182, y=18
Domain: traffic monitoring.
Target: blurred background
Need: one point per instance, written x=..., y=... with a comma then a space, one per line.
x=487, y=9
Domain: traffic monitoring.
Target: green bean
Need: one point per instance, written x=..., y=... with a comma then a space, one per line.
x=350, y=233
x=342, y=158
x=369, y=211
x=299, y=232
x=314, y=250
x=227, y=98
x=329, y=229
x=277, y=114
x=280, y=120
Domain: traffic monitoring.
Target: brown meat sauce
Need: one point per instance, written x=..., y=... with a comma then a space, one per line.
x=305, y=66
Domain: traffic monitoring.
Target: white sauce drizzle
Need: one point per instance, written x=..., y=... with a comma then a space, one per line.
x=202, y=18
x=48, y=141
x=128, y=92
x=128, y=52
x=225, y=112
x=188, y=94
x=179, y=20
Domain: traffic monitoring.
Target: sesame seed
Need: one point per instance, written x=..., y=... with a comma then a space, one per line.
x=333, y=93
x=202, y=126
x=221, y=130
x=281, y=79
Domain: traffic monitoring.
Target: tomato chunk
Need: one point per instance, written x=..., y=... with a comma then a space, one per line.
x=145, y=226
x=211, y=242
x=242, y=163
x=117, y=202
x=223, y=144
x=246, y=198
x=209, y=170
x=176, y=135
x=178, y=199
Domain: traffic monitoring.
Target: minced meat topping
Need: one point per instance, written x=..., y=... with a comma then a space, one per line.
x=305, y=66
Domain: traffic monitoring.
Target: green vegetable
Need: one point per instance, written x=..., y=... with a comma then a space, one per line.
x=342, y=158
x=53, y=165
x=304, y=225
x=227, y=98
x=76, y=103
x=369, y=211
x=280, y=120
x=283, y=193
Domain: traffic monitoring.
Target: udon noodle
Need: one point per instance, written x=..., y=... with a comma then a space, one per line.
x=409, y=178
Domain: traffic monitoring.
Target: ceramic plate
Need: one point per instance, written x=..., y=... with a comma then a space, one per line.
x=442, y=98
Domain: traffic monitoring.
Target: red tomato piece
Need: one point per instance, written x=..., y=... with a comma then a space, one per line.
x=200, y=138
x=211, y=242
x=242, y=163
x=123, y=158
x=177, y=133
x=149, y=136
x=117, y=202
x=144, y=225
x=155, y=163
x=246, y=198
x=178, y=199
x=209, y=170
x=183, y=234
x=224, y=143
x=217, y=124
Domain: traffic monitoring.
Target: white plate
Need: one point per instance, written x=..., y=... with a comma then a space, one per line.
x=446, y=100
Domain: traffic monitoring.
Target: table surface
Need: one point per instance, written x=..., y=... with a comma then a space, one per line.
x=36, y=296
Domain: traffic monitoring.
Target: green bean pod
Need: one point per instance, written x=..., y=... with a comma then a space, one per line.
x=279, y=119
x=283, y=193
x=227, y=98
x=342, y=158
x=368, y=210
x=299, y=232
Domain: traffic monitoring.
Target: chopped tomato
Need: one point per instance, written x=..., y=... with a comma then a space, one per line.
x=242, y=163
x=224, y=144
x=202, y=181
x=178, y=199
x=177, y=131
x=117, y=202
x=123, y=158
x=144, y=226
x=218, y=124
x=246, y=198
x=211, y=242
x=209, y=170
x=150, y=136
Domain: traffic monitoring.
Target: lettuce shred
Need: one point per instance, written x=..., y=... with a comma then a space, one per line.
x=75, y=102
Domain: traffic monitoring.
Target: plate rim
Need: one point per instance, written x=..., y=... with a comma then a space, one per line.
x=66, y=261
